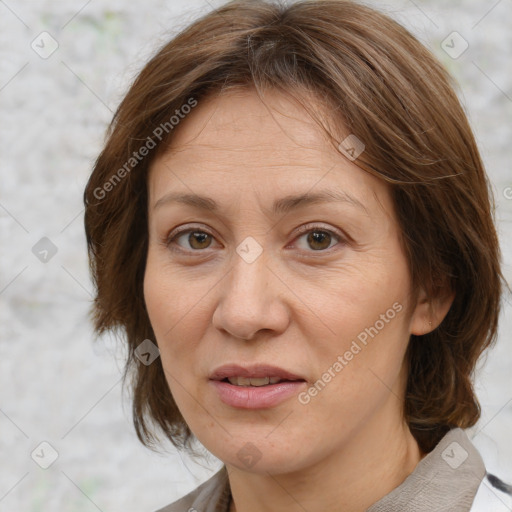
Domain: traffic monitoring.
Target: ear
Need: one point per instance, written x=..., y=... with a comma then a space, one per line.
x=428, y=314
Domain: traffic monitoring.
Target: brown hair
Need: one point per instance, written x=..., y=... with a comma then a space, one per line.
x=377, y=82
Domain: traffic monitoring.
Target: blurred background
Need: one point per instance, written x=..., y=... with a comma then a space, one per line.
x=64, y=67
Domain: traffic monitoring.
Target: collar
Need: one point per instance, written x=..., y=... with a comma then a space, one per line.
x=446, y=479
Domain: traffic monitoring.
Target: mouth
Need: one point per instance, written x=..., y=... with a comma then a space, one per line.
x=255, y=375
x=257, y=381
x=255, y=387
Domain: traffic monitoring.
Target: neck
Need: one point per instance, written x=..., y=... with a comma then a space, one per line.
x=369, y=465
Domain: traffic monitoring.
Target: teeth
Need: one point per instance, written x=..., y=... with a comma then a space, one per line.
x=260, y=381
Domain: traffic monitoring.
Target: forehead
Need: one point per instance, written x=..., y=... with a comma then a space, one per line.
x=237, y=143
x=274, y=128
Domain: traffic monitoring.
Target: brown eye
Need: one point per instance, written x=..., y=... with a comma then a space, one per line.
x=195, y=239
x=199, y=240
x=319, y=240
x=316, y=239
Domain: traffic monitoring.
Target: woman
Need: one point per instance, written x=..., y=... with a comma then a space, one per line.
x=291, y=206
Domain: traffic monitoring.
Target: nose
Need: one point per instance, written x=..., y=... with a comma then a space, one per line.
x=252, y=300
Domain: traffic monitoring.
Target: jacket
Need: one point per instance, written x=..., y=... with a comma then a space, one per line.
x=451, y=478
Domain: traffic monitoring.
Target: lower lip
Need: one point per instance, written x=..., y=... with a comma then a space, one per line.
x=252, y=397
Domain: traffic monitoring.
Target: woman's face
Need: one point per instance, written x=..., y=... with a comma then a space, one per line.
x=258, y=276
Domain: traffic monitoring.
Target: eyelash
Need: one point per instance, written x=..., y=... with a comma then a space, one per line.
x=308, y=228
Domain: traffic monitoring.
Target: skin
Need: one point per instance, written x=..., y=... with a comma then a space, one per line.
x=299, y=305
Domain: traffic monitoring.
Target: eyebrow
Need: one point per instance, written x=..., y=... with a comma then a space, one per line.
x=280, y=206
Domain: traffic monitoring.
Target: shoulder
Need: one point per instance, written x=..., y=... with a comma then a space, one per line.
x=493, y=495
x=211, y=496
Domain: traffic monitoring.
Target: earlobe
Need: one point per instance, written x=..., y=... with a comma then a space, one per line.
x=428, y=314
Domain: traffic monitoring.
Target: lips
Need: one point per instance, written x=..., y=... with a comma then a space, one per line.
x=259, y=386
x=241, y=375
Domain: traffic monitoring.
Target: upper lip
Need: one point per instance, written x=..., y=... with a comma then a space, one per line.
x=253, y=371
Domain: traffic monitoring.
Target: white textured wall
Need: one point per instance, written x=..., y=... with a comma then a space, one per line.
x=56, y=384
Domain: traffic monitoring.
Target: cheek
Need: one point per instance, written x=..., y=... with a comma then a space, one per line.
x=366, y=312
x=179, y=313
x=156, y=298
x=168, y=295
x=356, y=295
x=166, y=305
x=170, y=315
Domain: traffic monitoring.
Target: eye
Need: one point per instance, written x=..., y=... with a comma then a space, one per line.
x=318, y=238
x=197, y=239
